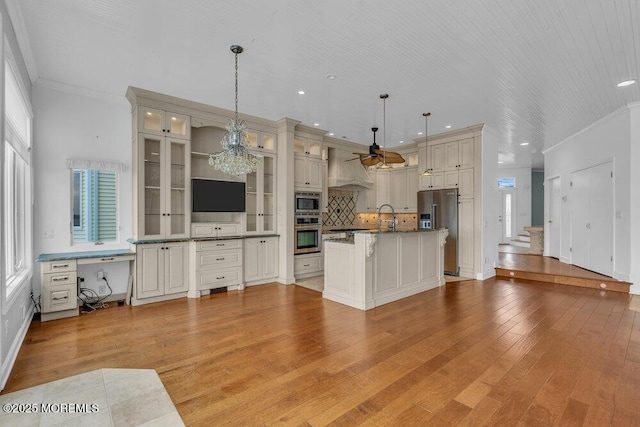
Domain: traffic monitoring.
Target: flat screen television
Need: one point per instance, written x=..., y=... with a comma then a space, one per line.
x=217, y=196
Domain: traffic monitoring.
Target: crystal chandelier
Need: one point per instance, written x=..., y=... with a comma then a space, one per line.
x=235, y=159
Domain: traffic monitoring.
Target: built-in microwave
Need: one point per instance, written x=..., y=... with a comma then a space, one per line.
x=307, y=203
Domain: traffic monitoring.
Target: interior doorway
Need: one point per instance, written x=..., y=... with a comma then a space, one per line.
x=507, y=214
x=554, y=218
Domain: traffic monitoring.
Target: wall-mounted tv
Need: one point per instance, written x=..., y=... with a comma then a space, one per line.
x=217, y=196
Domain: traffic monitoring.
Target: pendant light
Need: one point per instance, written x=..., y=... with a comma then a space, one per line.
x=384, y=164
x=235, y=159
x=426, y=144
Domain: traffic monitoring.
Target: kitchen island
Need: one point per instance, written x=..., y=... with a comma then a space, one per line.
x=377, y=267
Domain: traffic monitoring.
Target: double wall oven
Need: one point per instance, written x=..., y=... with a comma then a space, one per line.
x=308, y=225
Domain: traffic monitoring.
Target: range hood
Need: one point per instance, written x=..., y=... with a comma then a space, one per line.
x=345, y=173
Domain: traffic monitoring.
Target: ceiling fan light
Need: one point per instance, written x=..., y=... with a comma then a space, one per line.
x=384, y=166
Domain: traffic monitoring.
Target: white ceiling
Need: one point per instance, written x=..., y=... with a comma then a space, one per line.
x=536, y=71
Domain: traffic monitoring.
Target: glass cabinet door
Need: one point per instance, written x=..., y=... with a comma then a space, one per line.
x=252, y=202
x=177, y=209
x=268, y=201
x=153, y=159
x=164, y=123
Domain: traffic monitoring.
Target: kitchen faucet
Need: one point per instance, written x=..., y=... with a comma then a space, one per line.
x=393, y=221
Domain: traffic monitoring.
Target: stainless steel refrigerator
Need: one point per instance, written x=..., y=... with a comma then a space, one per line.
x=439, y=209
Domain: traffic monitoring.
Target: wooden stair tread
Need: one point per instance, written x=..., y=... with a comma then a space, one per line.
x=562, y=279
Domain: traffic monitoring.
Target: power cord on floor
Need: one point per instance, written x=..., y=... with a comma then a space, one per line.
x=91, y=300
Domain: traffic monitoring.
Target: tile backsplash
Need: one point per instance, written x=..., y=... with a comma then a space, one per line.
x=341, y=210
x=341, y=213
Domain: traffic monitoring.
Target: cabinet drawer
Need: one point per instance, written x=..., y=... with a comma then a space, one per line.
x=59, y=266
x=307, y=265
x=218, y=259
x=59, y=297
x=70, y=278
x=218, y=244
x=218, y=278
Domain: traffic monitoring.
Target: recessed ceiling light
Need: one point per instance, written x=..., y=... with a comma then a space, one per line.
x=420, y=133
x=626, y=83
x=401, y=142
x=448, y=126
x=300, y=92
x=524, y=143
x=316, y=124
x=330, y=133
x=331, y=76
x=500, y=162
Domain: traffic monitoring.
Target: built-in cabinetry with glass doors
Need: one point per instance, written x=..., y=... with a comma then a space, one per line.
x=160, y=122
x=261, y=198
x=162, y=208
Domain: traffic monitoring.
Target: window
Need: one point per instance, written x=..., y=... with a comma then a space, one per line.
x=16, y=204
x=506, y=182
x=94, y=205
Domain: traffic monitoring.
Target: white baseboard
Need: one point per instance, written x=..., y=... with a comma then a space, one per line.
x=12, y=355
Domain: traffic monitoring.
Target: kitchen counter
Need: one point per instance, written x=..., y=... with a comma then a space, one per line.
x=377, y=267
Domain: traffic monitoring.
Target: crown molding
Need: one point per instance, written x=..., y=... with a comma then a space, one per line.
x=77, y=90
x=22, y=37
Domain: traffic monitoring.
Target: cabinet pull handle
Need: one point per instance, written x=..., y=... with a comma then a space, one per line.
x=219, y=244
x=60, y=279
x=106, y=259
x=219, y=259
x=60, y=266
x=221, y=277
x=58, y=299
x=306, y=265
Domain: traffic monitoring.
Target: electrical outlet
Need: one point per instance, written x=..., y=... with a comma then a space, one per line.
x=102, y=290
x=100, y=275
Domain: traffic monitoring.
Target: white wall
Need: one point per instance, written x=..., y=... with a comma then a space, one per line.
x=75, y=126
x=608, y=139
x=15, y=318
x=491, y=232
x=634, y=199
x=522, y=214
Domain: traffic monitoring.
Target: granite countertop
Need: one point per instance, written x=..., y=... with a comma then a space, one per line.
x=60, y=256
x=389, y=231
x=199, y=239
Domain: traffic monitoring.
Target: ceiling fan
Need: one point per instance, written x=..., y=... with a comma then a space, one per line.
x=376, y=155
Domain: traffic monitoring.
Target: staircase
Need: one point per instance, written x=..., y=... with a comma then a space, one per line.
x=523, y=240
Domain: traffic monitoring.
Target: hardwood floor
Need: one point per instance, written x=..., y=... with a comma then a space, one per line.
x=497, y=352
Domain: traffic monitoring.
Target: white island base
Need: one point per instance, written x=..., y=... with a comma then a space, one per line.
x=377, y=268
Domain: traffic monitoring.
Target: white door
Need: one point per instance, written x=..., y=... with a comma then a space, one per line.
x=507, y=215
x=554, y=217
x=592, y=219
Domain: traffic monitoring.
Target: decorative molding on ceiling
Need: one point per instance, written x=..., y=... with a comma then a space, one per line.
x=20, y=30
x=77, y=90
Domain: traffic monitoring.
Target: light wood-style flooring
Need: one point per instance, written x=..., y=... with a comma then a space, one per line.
x=497, y=352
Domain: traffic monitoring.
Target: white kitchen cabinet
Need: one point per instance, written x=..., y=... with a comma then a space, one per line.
x=465, y=182
x=466, y=153
x=307, y=173
x=217, y=264
x=459, y=154
x=433, y=182
x=215, y=229
x=307, y=265
x=164, y=123
x=162, y=269
x=403, y=188
x=307, y=147
x=325, y=186
x=263, y=142
x=162, y=208
x=261, y=198
x=59, y=281
x=366, y=201
x=260, y=259
x=436, y=158
x=465, y=237
x=382, y=188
